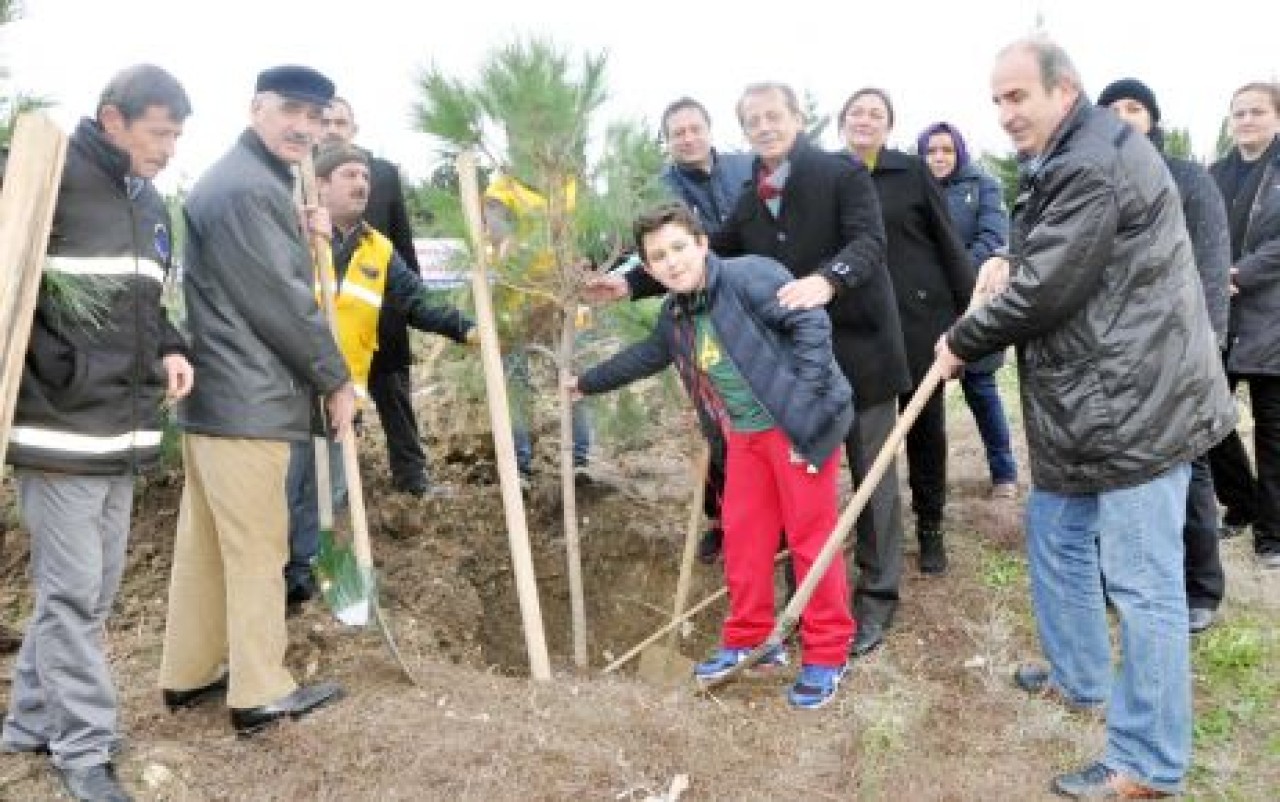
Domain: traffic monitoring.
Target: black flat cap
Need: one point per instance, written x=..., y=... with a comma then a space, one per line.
x=296, y=83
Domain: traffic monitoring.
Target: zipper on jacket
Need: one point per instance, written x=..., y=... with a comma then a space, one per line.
x=137, y=335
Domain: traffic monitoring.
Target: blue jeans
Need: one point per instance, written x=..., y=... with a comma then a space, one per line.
x=520, y=392
x=304, y=508
x=984, y=402
x=1131, y=539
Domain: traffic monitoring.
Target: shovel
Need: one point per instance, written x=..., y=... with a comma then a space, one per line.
x=664, y=665
x=345, y=571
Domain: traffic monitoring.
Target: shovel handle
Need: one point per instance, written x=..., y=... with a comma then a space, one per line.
x=835, y=541
x=322, y=259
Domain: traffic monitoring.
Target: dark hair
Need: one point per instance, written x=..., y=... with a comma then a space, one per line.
x=863, y=92
x=788, y=95
x=669, y=213
x=1269, y=88
x=680, y=105
x=135, y=89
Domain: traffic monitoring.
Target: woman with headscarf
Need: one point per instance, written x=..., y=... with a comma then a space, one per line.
x=977, y=212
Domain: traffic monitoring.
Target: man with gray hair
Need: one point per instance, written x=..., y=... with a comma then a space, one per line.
x=263, y=349
x=1122, y=389
x=89, y=418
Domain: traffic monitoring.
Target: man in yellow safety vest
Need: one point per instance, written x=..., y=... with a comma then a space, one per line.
x=368, y=276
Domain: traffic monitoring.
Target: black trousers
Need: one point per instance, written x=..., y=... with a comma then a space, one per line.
x=1250, y=500
x=927, y=460
x=1205, y=580
x=878, y=551
x=393, y=397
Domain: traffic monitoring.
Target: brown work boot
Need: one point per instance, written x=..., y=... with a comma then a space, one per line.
x=1099, y=782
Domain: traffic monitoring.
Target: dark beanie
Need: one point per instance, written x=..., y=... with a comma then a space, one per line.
x=1132, y=89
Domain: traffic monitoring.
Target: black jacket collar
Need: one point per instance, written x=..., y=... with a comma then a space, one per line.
x=113, y=160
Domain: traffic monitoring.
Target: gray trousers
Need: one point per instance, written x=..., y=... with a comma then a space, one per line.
x=876, y=570
x=62, y=696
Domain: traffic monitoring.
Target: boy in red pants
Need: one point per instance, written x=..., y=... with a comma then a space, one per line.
x=764, y=378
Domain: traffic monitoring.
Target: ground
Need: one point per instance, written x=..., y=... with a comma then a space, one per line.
x=931, y=716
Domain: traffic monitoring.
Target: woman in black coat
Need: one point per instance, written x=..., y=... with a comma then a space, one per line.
x=932, y=280
x=1249, y=179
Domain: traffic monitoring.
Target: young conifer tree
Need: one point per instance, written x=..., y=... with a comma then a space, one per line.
x=532, y=114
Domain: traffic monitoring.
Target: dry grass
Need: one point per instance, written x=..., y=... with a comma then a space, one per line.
x=931, y=716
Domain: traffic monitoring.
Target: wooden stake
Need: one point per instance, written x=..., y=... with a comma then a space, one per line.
x=568, y=492
x=500, y=421
x=30, y=194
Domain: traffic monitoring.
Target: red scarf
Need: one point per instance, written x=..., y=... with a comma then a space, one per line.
x=765, y=190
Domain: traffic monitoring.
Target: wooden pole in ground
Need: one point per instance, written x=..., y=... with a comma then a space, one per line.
x=30, y=194
x=500, y=421
x=568, y=491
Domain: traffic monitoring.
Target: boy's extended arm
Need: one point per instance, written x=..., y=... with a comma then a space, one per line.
x=637, y=361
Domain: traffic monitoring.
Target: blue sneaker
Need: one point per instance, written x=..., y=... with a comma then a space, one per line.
x=725, y=658
x=816, y=685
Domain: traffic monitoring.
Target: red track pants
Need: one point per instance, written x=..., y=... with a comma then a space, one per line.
x=765, y=493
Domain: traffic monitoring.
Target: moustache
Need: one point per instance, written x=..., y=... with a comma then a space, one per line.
x=297, y=138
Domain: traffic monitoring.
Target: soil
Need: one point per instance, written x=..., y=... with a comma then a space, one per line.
x=928, y=717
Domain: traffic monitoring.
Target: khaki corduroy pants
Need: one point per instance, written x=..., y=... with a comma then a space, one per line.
x=226, y=592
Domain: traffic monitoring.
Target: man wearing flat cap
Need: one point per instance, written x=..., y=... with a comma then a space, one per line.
x=263, y=350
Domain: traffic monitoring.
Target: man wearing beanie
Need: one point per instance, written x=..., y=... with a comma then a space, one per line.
x=1206, y=216
x=262, y=349
x=371, y=280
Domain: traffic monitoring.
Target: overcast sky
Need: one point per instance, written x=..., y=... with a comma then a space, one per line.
x=933, y=57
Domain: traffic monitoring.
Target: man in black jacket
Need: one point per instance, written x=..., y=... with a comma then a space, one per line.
x=89, y=418
x=389, y=378
x=1206, y=216
x=263, y=350
x=817, y=213
x=1121, y=388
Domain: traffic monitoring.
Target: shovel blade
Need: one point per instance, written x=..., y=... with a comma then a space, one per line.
x=348, y=587
x=355, y=614
x=665, y=667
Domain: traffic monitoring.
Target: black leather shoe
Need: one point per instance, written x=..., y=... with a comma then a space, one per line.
x=181, y=700
x=93, y=783
x=870, y=636
x=1032, y=678
x=1099, y=782
x=300, y=593
x=933, y=555
x=1201, y=618
x=252, y=720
